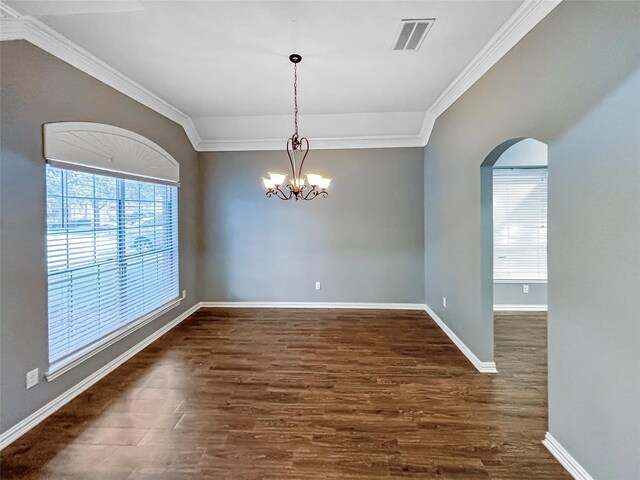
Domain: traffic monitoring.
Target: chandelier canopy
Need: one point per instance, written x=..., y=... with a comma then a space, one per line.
x=297, y=150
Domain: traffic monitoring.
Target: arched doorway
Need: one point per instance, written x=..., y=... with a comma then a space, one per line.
x=513, y=246
x=514, y=273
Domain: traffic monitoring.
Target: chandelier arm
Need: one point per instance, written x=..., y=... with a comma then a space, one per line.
x=282, y=196
x=311, y=194
x=303, y=140
x=273, y=192
x=292, y=161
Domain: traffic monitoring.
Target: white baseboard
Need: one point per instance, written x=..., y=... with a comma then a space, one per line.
x=570, y=464
x=519, y=308
x=482, y=367
x=38, y=416
x=354, y=305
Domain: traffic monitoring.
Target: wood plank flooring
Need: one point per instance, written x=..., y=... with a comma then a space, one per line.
x=305, y=394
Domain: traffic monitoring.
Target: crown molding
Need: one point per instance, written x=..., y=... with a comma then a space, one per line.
x=427, y=127
x=14, y=26
x=7, y=12
x=378, y=141
x=17, y=27
x=528, y=15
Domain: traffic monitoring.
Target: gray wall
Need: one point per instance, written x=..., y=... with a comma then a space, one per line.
x=38, y=88
x=594, y=283
x=511, y=294
x=364, y=242
x=572, y=83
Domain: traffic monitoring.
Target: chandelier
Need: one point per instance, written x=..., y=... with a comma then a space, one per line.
x=297, y=150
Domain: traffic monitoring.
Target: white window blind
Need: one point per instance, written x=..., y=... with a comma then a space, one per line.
x=520, y=224
x=112, y=255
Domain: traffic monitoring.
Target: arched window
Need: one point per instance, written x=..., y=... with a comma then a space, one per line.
x=112, y=237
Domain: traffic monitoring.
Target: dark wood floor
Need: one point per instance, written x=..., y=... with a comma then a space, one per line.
x=303, y=394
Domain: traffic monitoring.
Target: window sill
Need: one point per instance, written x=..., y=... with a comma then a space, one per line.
x=63, y=366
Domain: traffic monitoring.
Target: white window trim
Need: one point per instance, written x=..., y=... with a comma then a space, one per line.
x=104, y=148
x=518, y=281
x=63, y=366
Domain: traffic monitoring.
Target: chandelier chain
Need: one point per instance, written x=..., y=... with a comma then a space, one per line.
x=295, y=96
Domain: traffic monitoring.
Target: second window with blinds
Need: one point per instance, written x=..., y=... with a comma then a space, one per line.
x=520, y=224
x=112, y=257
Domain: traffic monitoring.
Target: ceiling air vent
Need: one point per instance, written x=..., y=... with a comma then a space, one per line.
x=412, y=32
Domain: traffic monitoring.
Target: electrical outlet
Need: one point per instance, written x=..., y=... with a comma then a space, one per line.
x=184, y=294
x=318, y=285
x=444, y=302
x=32, y=378
x=525, y=288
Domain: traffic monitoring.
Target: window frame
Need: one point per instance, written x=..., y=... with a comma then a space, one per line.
x=517, y=279
x=67, y=362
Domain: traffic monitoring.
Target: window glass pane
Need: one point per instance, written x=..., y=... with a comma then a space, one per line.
x=78, y=184
x=520, y=224
x=106, y=216
x=161, y=193
x=131, y=190
x=79, y=213
x=147, y=191
x=112, y=255
x=54, y=181
x=54, y=211
x=106, y=187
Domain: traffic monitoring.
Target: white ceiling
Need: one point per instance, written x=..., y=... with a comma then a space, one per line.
x=225, y=63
